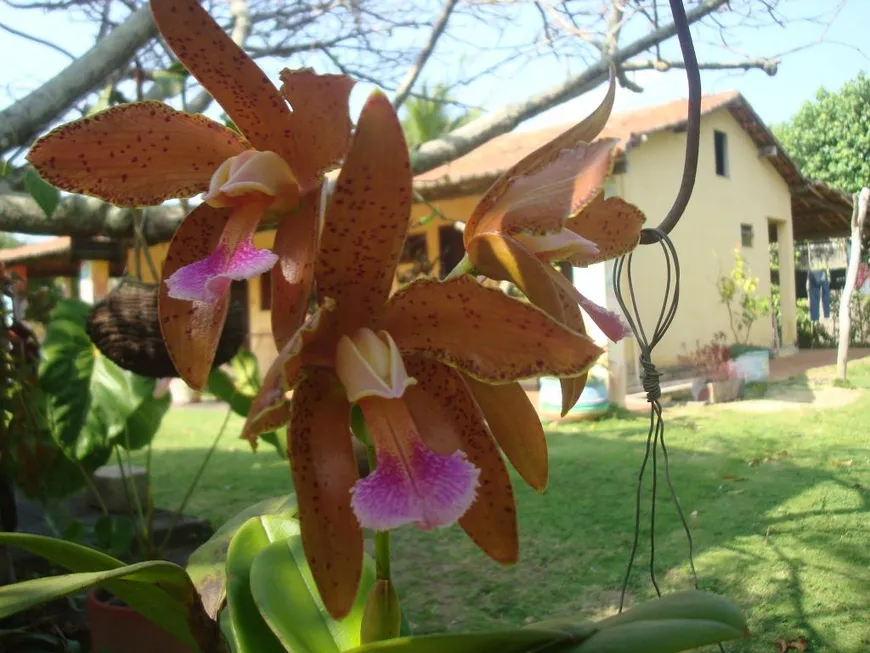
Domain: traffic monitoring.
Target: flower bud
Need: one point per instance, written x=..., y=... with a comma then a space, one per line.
x=382, y=615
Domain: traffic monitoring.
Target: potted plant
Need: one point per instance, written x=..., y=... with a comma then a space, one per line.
x=716, y=381
x=738, y=291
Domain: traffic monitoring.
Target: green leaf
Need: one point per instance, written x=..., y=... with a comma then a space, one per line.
x=240, y=389
x=505, y=641
x=167, y=605
x=222, y=386
x=45, y=195
x=689, y=604
x=250, y=633
x=144, y=420
x=207, y=565
x=92, y=404
x=284, y=591
x=663, y=636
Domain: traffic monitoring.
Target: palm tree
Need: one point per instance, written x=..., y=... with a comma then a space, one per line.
x=427, y=116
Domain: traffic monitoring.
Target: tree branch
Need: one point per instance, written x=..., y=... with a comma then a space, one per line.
x=407, y=83
x=23, y=120
x=770, y=66
x=461, y=141
x=84, y=216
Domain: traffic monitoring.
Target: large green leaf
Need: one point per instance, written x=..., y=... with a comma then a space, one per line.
x=287, y=597
x=504, y=641
x=92, y=404
x=167, y=605
x=677, y=622
x=207, y=565
x=147, y=413
x=250, y=633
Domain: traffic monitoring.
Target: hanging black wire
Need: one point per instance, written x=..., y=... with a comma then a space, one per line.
x=650, y=376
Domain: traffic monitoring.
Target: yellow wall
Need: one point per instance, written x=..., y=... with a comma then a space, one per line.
x=706, y=236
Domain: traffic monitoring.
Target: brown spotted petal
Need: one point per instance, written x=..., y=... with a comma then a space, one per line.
x=367, y=218
x=491, y=213
x=320, y=124
x=515, y=425
x=484, y=333
x=449, y=420
x=324, y=471
x=231, y=76
x=540, y=201
x=612, y=224
x=293, y=276
x=135, y=154
x=312, y=344
x=503, y=257
x=191, y=330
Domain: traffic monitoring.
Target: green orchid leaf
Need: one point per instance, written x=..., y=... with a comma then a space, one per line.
x=249, y=632
x=658, y=636
x=43, y=193
x=166, y=605
x=689, y=604
x=505, y=641
x=284, y=590
x=207, y=565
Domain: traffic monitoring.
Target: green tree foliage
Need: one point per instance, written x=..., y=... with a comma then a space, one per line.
x=428, y=115
x=829, y=138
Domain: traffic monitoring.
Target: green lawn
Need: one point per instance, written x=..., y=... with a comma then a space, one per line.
x=778, y=505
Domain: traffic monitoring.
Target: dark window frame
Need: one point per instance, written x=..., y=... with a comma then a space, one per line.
x=747, y=235
x=720, y=152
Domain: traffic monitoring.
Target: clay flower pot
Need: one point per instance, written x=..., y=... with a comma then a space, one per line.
x=116, y=628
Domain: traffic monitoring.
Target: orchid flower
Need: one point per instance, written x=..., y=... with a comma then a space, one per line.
x=550, y=207
x=408, y=362
x=146, y=152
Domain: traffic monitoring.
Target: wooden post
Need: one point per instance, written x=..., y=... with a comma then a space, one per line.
x=859, y=214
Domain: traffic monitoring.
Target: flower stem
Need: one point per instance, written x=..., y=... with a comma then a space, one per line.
x=465, y=266
x=382, y=538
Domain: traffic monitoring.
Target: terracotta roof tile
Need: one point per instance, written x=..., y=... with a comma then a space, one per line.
x=36, y=250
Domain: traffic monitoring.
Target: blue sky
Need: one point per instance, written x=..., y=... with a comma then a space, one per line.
x=838, y=58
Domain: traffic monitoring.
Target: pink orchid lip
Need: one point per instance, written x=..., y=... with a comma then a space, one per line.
x=411, y=484
x=562, y=245
x=234, y=259
x=207, y=279
x=253, y=173
x=370, y=365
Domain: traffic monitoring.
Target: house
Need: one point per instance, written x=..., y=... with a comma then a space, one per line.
x=748, y=195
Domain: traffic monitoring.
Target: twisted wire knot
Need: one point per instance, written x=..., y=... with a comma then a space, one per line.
x=650, y=377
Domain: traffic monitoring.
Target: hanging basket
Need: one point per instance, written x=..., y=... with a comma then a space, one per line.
x=125, y=327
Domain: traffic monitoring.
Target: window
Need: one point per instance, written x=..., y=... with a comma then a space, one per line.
x=266, y=291
x=414, y=250
x=746, y=235
x=720, y=145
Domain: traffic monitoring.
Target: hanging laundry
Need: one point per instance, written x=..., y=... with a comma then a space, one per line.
x=819, y=291
x=863, y=279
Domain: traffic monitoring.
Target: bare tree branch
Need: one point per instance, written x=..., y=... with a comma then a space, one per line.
x=461, y=141
x=84, y=216
x=407, y=83
x=36, y=39
x=23, y=120
x=770, y=66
